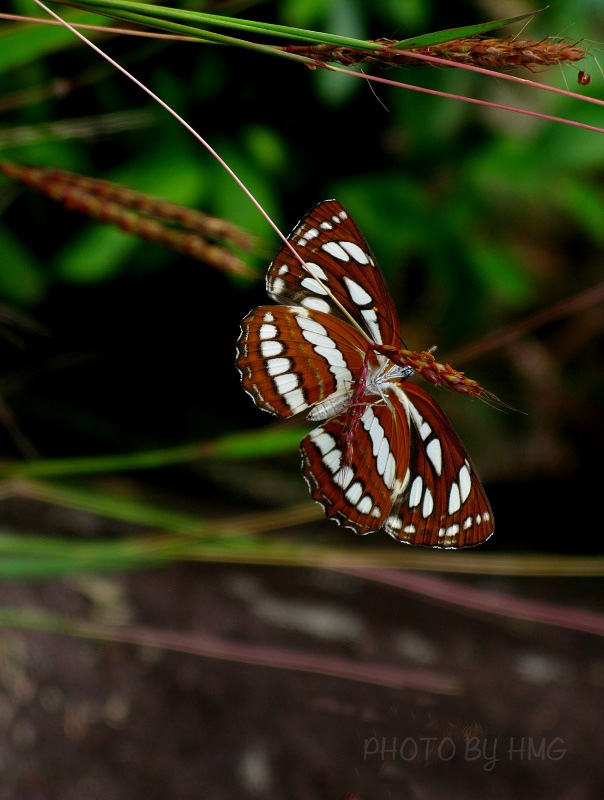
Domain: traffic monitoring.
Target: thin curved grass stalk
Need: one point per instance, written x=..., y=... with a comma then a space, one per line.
x=99, y=28
x=81, y=128
x=511, y=333
x=156, y=220
x=378, y=674
x=471, y=599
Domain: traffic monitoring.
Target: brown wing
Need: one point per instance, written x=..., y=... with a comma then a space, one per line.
x=291, y=358
x=406, y=471
x=443, y=504
x=334, y=249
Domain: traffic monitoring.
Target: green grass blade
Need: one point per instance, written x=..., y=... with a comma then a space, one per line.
x=151, y=14
x=237, y=446
x=27, y=557
x=429, y=39
x=201, y=20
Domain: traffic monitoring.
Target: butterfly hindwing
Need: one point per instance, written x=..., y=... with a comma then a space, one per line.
x=444, y=503
x=356, y=478
x=403, y=469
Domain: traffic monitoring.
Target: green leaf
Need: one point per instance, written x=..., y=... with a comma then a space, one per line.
x=584, y=202
x=97, y=254
x=499, y=270
x=101, y=251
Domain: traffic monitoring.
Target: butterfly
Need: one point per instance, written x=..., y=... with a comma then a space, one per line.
x=384, y=455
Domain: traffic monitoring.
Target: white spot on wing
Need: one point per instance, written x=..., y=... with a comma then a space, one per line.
x=354, y=492
x=377, y=433
x=334, y=357
x=356, y=252
x=394, y=523
x=277, y=287
x=295, y=400
x=417, y=417
x=270, y=348
x=454, y=498
x=267, y=331
x=357, y=294
x=286, y=383
x=336, y=251
x=390, y=472
x=308, y=324
x=311, y=285
x=465, y=483
x=276, y=366
x=428, y=504
x=322, y=440
x=316, y=304
x=316, y=271
x=382, y=456
x=333, y=460
x=365, y=504
x=434, y=453
x=344, y=476
x=425, y=430
x=371, y=321
x=415, y=495
x=319, y=340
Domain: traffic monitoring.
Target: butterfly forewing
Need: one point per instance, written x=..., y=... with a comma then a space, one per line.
x=291, y=358
x=336, y=253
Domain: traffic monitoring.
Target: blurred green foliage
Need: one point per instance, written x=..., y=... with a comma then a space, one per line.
x=476, y=215
x=433, y=183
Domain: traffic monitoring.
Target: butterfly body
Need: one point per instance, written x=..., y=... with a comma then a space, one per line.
x=385, y=455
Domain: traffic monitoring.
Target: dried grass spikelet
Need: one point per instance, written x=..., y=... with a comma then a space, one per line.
x=478, y=51
x=506, y=53
x=443, y=375
x=185, y=230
